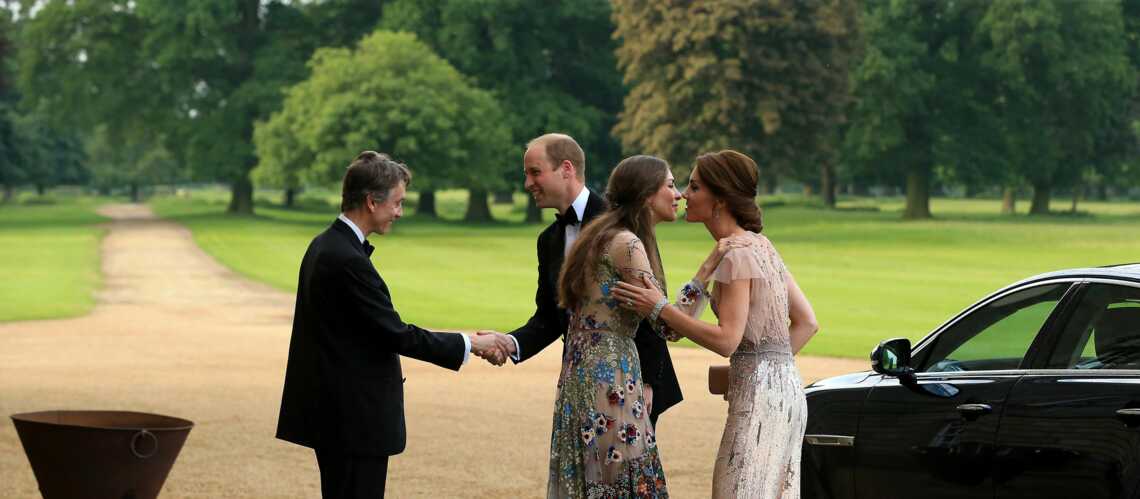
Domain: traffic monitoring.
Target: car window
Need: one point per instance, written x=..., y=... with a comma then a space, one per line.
x=996, y=335
x=1103, y=332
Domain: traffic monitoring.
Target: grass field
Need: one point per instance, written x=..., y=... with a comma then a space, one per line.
x=868, y=274
x=49, y=258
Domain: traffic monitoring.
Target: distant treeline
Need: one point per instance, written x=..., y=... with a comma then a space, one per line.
x=840, y=96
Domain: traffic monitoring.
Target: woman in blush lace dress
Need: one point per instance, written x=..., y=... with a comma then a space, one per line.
x=763, y=319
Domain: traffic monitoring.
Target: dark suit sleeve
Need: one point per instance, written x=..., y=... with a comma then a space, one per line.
x=368, y=294
x=543, y=327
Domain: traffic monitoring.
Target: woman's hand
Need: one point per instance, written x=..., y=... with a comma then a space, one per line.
x=637, y=298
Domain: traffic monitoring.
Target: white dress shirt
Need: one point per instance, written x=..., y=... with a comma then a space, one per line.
x=579, y=207
x=360, y=238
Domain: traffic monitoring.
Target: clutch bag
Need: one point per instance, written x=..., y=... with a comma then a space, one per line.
x=718, y=380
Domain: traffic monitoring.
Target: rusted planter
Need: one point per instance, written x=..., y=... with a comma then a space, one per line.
x=100, y=454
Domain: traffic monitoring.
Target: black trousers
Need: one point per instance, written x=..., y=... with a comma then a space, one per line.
x=351, y=477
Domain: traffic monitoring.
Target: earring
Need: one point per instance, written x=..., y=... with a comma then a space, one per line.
x=716, y=213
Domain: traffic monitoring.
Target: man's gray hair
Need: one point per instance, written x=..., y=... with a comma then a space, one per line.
x=371, y=173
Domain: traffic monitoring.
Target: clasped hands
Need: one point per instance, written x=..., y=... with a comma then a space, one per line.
x=492, y=346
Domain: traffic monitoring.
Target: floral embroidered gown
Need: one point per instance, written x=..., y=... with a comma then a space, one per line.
x=602, y=444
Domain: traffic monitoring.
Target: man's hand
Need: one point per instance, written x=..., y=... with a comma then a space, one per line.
x=494, y=347
x=505, y=345
x=485, y=346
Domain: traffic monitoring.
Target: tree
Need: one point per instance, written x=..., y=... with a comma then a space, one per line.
x=1065, y=71
x=48, y=156
x=11, y=162
x=11, y=171
x=282, y=159
x=391, y=94
x=765, y=77
x=209, y=51
x=78, y=70
x=202, y=72
x=133, y=161
x=915, y=92
x=550, y=65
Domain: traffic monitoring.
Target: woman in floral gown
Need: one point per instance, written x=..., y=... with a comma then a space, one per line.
x=603, y=444
x=763, y=319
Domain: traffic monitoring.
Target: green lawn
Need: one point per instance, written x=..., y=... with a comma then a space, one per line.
x=49, y=258
x=868, y=274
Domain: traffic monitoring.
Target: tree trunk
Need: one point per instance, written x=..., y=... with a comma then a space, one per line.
x=40, y=189
x=827, y=185
x=1040, y=205
x=533, y=214
x=426, y=206
x=478, y=210
x=917, y=193
x=1008, y=201
x=1078, y=191
x=134, y=193
x=290, y=197
x=9, y=191
x=504, y=197
x=241, y=196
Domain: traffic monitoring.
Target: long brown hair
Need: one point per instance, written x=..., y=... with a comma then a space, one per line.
x=732, y=177
x=631, y=184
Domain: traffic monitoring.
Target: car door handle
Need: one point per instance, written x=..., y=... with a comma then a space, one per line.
x=973, y=411
x=1131, y=417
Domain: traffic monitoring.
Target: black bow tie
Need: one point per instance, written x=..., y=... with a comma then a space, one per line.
x=569, y=218
x=368, y=248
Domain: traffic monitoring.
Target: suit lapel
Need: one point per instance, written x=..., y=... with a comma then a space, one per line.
x=556, y=255
x=595, y=206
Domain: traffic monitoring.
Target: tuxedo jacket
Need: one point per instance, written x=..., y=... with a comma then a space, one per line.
x=344, y=387
x=550, y=322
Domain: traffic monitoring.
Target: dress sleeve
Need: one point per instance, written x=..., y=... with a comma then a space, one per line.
x=632, y=263
x=737, y=264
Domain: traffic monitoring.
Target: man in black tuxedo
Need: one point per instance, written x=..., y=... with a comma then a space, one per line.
x=555, y=169
x=344, y=393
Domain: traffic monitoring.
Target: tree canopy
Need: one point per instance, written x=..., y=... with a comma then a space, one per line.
x=767, y=78
x=390, y=93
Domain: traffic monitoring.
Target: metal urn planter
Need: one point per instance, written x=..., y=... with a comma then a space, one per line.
x=100, y=454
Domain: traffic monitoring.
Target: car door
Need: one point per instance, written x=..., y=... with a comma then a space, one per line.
x=934, y=437
x=1072, y=428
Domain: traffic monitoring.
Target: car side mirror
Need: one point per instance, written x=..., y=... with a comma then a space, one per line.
x=892, y=358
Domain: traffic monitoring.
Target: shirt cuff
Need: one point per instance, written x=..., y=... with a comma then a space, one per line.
x=515, y=356
x=466, y=348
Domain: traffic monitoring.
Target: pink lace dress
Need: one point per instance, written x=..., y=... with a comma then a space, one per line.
x=759, y=454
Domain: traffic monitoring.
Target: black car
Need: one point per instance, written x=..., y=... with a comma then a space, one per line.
x=1033, y=391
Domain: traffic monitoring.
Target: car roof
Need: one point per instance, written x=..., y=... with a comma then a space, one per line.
x=1123, y=271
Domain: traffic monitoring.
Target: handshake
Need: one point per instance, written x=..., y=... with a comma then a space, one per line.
x=492, y=346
